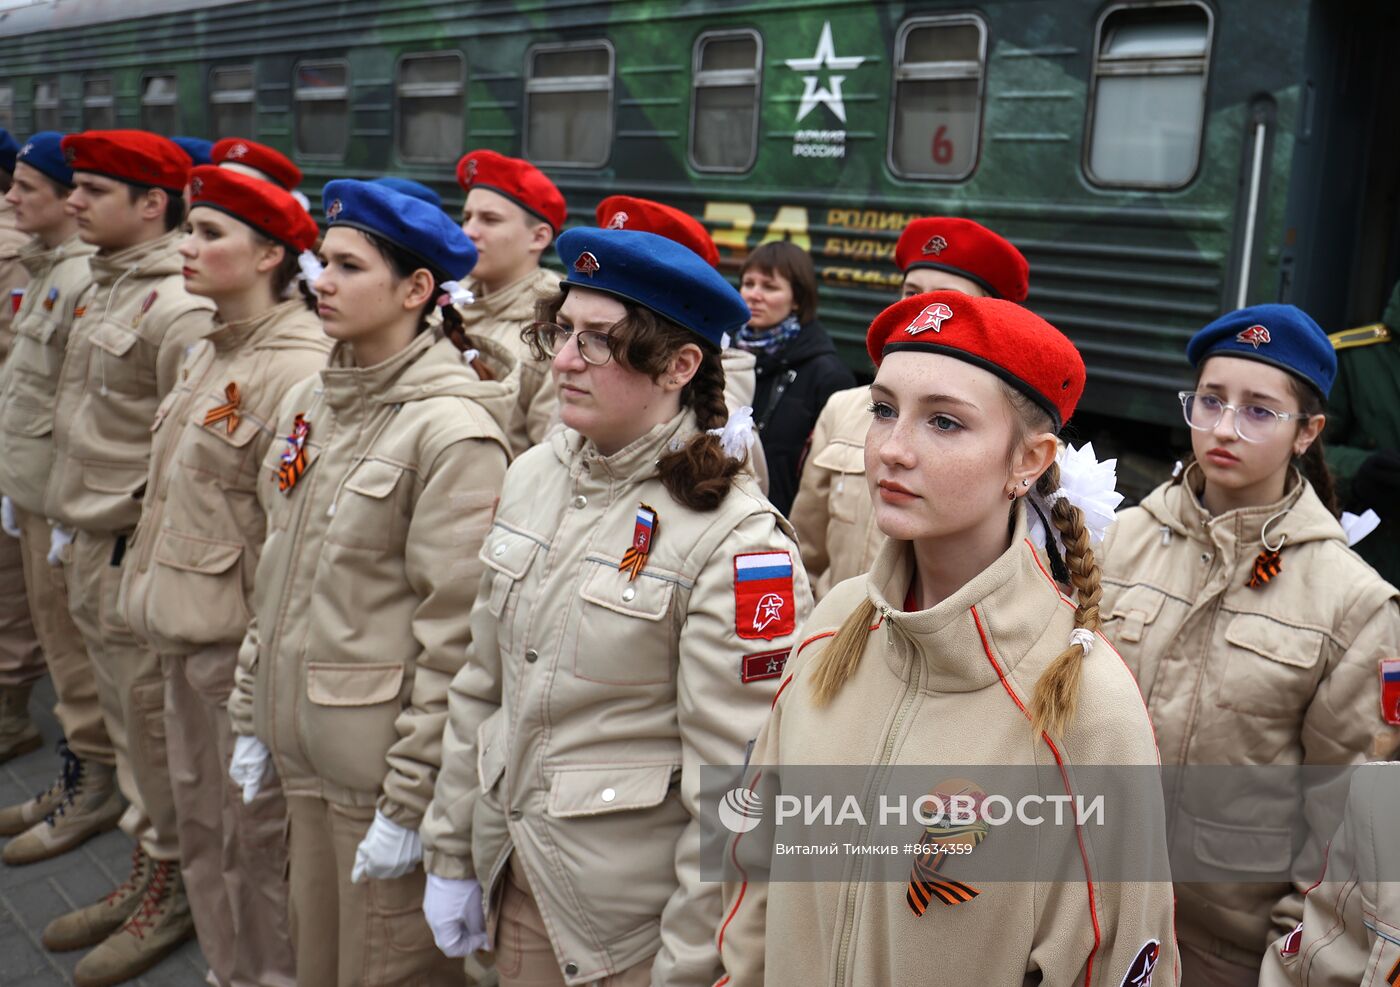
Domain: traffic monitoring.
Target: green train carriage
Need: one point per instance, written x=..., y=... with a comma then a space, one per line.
x=1158, y=161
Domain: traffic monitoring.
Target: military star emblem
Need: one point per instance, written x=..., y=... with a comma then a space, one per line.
x=825, y=60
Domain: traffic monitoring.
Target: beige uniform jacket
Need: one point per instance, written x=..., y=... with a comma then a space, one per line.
x=367, y=578
x=589, y=702
x=13, y=273
x=1281, y=675
x=1350, y=933
x=30, y=377
x=501, y=316
x=832, y=513
x=946, y=690
x=130, y=332
x=189, y=582
x=740, y=384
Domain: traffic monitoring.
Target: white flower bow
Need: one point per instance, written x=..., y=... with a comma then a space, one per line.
x=454, y=294
x=311, y=268
x=1358, y=526
x=1089, y=485
x=737, y=435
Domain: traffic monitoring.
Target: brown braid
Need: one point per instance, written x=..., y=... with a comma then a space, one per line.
x=1057, y=691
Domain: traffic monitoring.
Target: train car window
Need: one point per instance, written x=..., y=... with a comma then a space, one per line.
x=322, y=96
x=1147, y=110
x=724, y=101
x=46, y=115
x=7, y=107
x=233, y=101
x=936, y=117
x=430, y=106
x=568, y=104
x=99, y=109
x=160, y=105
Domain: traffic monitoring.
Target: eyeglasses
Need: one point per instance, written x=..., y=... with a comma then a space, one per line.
x=595, y=347
x=1253, y=422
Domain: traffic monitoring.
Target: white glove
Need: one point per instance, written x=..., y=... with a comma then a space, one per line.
x=250, y=757
x=454, y=913
x=8, y=521
x=59, y=539
x=387, y=851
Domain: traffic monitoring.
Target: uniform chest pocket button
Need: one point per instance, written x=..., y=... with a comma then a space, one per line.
x=624, y=636
x=374, y=478
x=366, y=514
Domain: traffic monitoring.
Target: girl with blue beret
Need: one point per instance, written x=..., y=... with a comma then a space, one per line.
x=1257, y=635
x=640, y=600
x=378, y=490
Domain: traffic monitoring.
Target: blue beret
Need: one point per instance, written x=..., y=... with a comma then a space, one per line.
x=425, y=231
x=8, y=150
x=199, y=149
x=43, y=152
x=656, y=273
x=407, y=186
x=1282, y=336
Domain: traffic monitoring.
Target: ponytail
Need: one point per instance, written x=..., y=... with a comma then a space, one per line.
x=700, y=473
x=1057, y=691
x=839, y=659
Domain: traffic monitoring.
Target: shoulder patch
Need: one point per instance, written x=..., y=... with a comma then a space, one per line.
x=762, y=666
x=1291, y=942
x=1390, y=690
x=1348, y=339
x=1140, y=972
x=763, y=598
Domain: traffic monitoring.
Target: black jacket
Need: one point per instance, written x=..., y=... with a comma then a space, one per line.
x=793, y=385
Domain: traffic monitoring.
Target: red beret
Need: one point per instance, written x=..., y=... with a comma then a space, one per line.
x=132, y=156
x=1012, y=342
x=968, y=249
x=267, y=208
x=516, y=179
x=623, y=212
x=272, y=163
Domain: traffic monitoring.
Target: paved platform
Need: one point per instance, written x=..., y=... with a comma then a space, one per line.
x=31, y=896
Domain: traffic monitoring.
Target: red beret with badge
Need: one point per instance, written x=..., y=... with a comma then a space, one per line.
x=967, y=249
x=516, y=179
x=136, y=157
x=267, y=208
x=261, y=158
x=624, y=212
x=999, y=336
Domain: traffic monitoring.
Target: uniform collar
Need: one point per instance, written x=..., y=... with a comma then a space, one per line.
x=36, y=257
x=156, y=256
x=634, y=462
x=500, y=302
x=1014, y=601
x=345, y=385
x=1298, y=515
x=230, y=336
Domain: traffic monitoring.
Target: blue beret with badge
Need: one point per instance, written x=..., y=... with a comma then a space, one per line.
x=44, y=152
x=656, y=273
x=423, y=230
x=411, y=188
x=8, y=150
x=200, y=150
x=1282, y=336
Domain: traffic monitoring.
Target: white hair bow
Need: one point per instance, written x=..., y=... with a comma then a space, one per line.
x=1086, y=483
x=453, y=293
x=737, y=435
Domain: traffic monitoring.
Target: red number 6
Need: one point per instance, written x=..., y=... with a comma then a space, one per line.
x=942, y=147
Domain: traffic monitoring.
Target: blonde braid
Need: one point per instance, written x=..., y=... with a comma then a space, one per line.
x=839, y=659
x=1057, y=692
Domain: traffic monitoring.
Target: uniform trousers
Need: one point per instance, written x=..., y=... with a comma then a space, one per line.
x=1199, y=969
x=370, y=934
x=524, y=955
x=233, y=856
x=21, y=660
x=131, y=690
x=78, y=709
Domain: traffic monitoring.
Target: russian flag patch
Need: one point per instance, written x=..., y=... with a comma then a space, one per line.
x=763, y=601
x=1390, y=690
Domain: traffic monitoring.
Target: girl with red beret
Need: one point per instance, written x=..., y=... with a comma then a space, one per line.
x=961, y=647
x=188, y=589
x=1257, y=635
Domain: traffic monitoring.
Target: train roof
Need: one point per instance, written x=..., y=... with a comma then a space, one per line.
x=29, y=16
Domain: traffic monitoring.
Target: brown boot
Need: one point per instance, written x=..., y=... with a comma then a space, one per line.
x=89, y=926
x=18, y=734
x=159, y=925
x=17, y=818
x=89, y=804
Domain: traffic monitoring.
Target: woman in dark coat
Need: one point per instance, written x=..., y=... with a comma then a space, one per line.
x=798, y=368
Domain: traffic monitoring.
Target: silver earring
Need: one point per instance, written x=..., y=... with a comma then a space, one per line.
x=1025, y=483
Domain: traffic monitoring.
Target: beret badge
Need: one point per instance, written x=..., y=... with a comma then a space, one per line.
x=1255, y=336
x=935, y=246
x=932, y=317
x=587, y=264
x=334, y=209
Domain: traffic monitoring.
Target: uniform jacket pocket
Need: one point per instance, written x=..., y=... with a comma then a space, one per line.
x=1270, y=668
x=348, y=722
x=593, y=791
x=197, y=589
x=1249, y=849
x=367, y=512
x=848, y=486
x=624, y=634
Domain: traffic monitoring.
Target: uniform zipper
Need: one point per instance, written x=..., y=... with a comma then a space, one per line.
x=911, y=691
